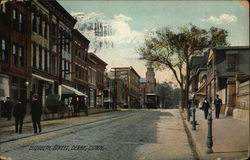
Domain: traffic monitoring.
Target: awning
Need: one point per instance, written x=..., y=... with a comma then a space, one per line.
x=42, y=78
x=71, y=90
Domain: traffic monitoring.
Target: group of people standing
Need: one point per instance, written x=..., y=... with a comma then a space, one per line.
x=19, y=112
x=205, y=105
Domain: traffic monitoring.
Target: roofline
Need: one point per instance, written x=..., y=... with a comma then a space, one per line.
x=75, y=31
x=231, y=47
x=99, y=59
x=127, y=68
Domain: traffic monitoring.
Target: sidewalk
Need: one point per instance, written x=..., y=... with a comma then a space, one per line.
x=27, y=119
x=230, y=137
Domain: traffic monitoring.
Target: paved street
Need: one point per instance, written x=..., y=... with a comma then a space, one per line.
x=124, y=135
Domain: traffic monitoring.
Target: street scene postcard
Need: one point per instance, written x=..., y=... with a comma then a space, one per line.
x=124, y=80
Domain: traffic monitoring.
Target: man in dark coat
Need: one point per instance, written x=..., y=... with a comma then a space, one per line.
x=36, y=113
x=19, y=114
x=205, y=107
x=8, y=105
x=217, y=103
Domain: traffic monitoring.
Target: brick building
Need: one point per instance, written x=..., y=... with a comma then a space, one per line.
x=15, y=50
x=131, y=79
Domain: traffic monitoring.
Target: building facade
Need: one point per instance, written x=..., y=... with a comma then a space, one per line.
x=131, y=79
x=228, y=71
x=15, y=51
x=42, y=53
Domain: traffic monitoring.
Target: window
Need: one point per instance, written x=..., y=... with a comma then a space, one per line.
x=43, y=59
x=4, y=55
x=21, y=57
x=3, y=14
x=21, y=24
x=76, y=70
x=40, y=25
x=53, y=33
x=54, y=63
x=33, y=14
x=34, y=55
x=45, y=29
x=40, y=58
x=3, y=8
x=14, y=55
x=15, y=20
x=37, y=57
x=14, y=14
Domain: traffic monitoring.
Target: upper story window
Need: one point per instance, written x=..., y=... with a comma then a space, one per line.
x=40, y=25
x=3, y=8
x=3, y=13
x=18, y=55
x=4, y=53
x=21, y=23
x=45, y=31
x=34, y=22
x=53, y=32
x=15, y=20
x=14, y=14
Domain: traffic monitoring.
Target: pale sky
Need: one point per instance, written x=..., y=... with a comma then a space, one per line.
x=131, y=20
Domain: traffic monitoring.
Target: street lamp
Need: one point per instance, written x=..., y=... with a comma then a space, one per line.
x=28, y=90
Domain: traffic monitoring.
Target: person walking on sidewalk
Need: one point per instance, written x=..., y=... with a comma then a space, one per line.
x=36, y=113
x=9, y=106
x=217, y=103
x=205, y=107
x=19, y=114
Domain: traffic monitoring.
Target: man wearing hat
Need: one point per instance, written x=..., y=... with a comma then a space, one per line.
x=36, y=112
x=19, y=114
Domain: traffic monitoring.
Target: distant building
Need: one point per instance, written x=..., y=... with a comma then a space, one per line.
x=96, y=71
x=147, y=92
x=131, y=79
x=198, y=77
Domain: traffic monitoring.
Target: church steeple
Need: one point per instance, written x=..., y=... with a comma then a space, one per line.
x=150, y=79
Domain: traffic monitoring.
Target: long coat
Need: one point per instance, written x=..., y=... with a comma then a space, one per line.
x=205, y=105
x=19, y=110
x=36, y=108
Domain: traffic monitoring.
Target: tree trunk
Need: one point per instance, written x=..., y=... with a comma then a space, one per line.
x=182, y=99
x=187, y=85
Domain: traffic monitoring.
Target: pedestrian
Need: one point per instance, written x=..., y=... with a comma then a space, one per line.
x=218, y=104
x=205, y=107
x=36, y=113
x=19, y=114
x=8, y=105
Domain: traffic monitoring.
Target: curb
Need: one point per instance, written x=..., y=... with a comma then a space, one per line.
x=197, y=154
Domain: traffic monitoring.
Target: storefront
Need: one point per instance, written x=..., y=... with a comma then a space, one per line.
x=42, y=86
